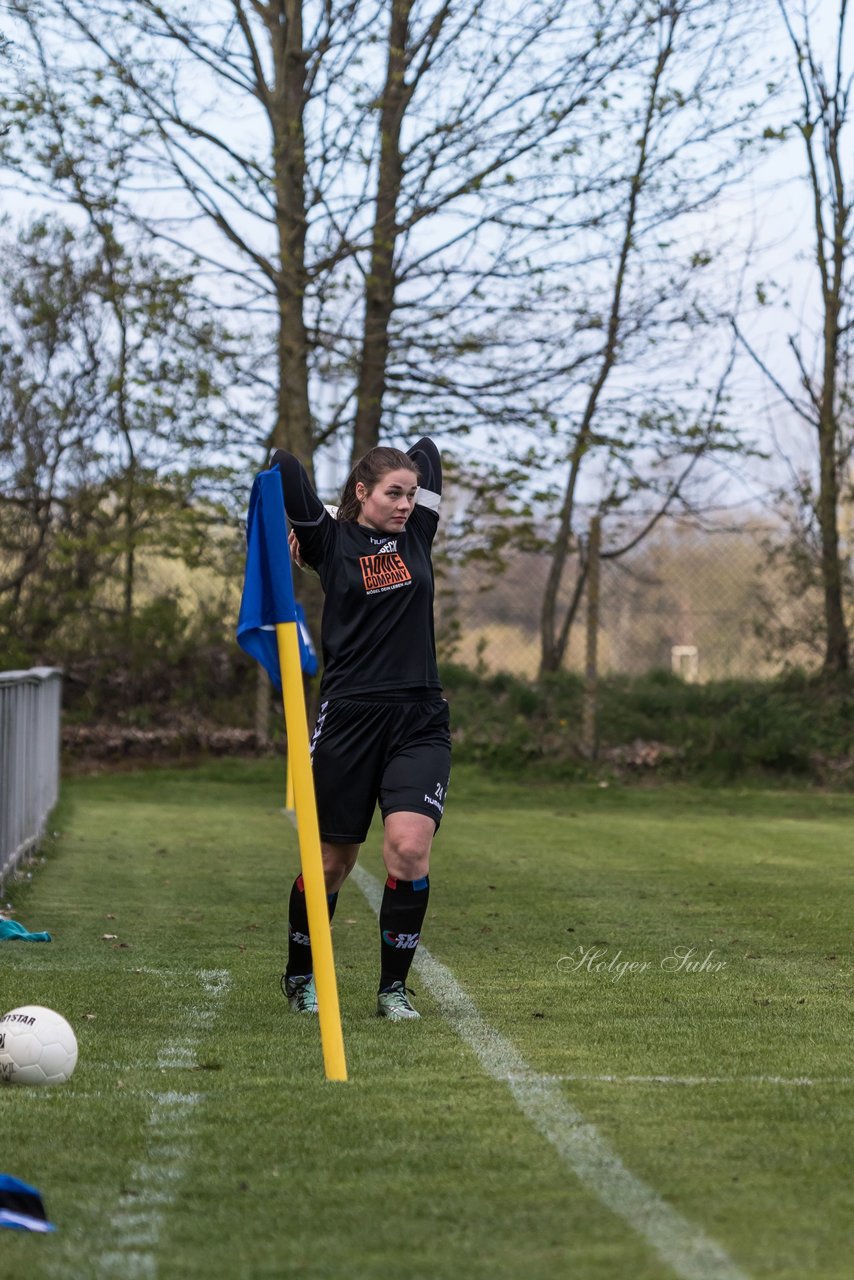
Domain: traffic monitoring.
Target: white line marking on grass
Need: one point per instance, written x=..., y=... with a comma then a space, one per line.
x=177, y=1056
x=685, y=1248
x=138, y=1220
x=794, y=1081
x=128, y=1265
x=38, y=963
x=34, y=1096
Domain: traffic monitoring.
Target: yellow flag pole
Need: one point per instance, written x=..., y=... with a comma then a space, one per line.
x=299, y=763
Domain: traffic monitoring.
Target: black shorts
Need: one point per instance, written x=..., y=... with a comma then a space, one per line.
x=397, y=753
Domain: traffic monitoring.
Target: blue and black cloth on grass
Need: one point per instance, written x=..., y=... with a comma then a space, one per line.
x=21, y=1206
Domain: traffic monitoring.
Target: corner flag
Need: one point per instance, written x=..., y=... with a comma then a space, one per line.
x=268, y=629
x=267, y=591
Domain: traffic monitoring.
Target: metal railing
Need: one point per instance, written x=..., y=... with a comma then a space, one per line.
x=29, y=759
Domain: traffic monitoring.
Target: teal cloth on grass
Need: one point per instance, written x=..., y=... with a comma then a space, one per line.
x=11, y=931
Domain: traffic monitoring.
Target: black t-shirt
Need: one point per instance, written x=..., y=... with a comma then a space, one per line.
x=377, y=634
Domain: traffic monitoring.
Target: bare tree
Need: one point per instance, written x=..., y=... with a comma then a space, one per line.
x=351, y=205
x=823, y=399
x=644, y=417
x=443, y=175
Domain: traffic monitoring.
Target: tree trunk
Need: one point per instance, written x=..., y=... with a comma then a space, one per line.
x=286, y=102
x=292, y=429
x=263, y=702
x=129, y=515
x=831, y=210
x=129, y=566
x=590, y=716
x=381, y=282
x=829, y=430
x=836, y=656
x=551, y=649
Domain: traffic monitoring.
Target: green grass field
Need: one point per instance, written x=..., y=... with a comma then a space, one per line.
x=198, y=1138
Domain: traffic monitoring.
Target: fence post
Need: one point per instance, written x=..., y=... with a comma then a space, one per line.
x=589, y=734
x=29, y=759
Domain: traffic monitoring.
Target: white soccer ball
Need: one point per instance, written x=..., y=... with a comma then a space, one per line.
x=37, y=1046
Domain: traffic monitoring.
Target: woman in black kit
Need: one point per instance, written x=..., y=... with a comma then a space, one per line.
x=382, y=730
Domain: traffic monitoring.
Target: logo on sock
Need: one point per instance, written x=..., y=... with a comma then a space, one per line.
x=302, y=939
x=401, y=941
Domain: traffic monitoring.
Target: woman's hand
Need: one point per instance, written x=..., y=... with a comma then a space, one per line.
x=295, y=553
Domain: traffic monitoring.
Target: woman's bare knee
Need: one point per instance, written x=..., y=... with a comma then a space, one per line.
x=406, y=845
x=338, y=861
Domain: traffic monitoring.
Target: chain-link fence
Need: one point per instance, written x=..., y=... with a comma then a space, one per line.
x=708, y=603
x=704, y=603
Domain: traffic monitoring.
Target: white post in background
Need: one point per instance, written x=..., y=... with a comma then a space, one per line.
x=685, y=662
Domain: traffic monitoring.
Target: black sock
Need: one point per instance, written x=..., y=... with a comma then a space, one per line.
x=402, y=913
x=299, y=945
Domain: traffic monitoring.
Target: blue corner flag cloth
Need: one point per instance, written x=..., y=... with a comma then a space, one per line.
x=11, y=931
x=268, y=587
x=21, y=1206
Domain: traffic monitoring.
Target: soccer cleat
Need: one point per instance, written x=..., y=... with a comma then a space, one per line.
x=394, y=1004
x=300, y=992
